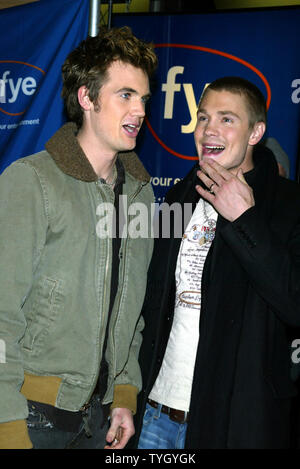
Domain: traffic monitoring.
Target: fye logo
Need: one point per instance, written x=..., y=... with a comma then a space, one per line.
x=174, y=109
x=170, y=88
x=18, y=82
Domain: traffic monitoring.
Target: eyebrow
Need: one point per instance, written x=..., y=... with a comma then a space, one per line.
x=222, y=113
x=131, y=90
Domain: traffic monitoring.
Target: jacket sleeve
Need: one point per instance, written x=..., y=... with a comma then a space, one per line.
x=125, y=395
x=272, y=266
x=23, y=230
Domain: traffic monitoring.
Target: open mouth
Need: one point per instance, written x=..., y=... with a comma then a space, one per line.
x=212, y=149
x=131, y=129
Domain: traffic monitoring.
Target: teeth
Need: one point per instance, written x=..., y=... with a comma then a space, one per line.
x=210, y=147
x=130, y=127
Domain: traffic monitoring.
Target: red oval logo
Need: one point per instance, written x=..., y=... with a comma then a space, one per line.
x=17, y=84
x=211, y=51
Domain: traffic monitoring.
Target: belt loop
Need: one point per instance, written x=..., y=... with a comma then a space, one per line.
x=156, y=408
x=158, y=411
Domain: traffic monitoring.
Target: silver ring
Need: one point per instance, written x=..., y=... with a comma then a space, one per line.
x=211, y=186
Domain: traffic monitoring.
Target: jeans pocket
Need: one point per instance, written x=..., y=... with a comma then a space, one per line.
x=37, y=420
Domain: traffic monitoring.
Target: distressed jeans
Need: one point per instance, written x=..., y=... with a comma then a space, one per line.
x=91, y=434
x=159, y=432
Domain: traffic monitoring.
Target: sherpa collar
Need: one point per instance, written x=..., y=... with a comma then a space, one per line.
x=70, y=158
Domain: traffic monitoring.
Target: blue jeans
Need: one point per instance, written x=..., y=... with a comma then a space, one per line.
x=159, y=432
x=44, y=434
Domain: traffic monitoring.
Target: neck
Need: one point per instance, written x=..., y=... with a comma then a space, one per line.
x=111, y=179
x=102, y=162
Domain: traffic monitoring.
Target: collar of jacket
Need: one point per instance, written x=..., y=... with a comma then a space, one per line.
x=65, y=150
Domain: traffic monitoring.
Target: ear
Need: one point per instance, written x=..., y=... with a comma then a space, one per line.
x=257, y=133
x=83, y=98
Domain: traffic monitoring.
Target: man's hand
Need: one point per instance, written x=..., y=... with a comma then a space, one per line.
x=229, y=194
x=121, y=428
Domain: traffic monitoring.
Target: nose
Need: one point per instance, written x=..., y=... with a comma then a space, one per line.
x=138, y=108
x=210, y=128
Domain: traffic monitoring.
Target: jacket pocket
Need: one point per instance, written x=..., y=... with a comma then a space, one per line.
x=43, y=306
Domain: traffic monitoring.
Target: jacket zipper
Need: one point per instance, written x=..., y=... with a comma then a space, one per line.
x=87, y=404
x=122, y=283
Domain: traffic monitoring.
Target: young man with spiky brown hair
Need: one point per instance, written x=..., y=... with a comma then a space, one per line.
x=70, y=301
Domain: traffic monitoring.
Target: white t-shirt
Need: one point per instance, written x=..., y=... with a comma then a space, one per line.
x=174, y=381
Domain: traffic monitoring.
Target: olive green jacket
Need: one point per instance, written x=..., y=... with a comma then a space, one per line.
x=55, y=274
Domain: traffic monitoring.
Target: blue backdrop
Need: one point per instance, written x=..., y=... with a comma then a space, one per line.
x=260, y=45
x=35, y=40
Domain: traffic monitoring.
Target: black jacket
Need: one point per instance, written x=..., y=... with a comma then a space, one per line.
x=241, y=389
